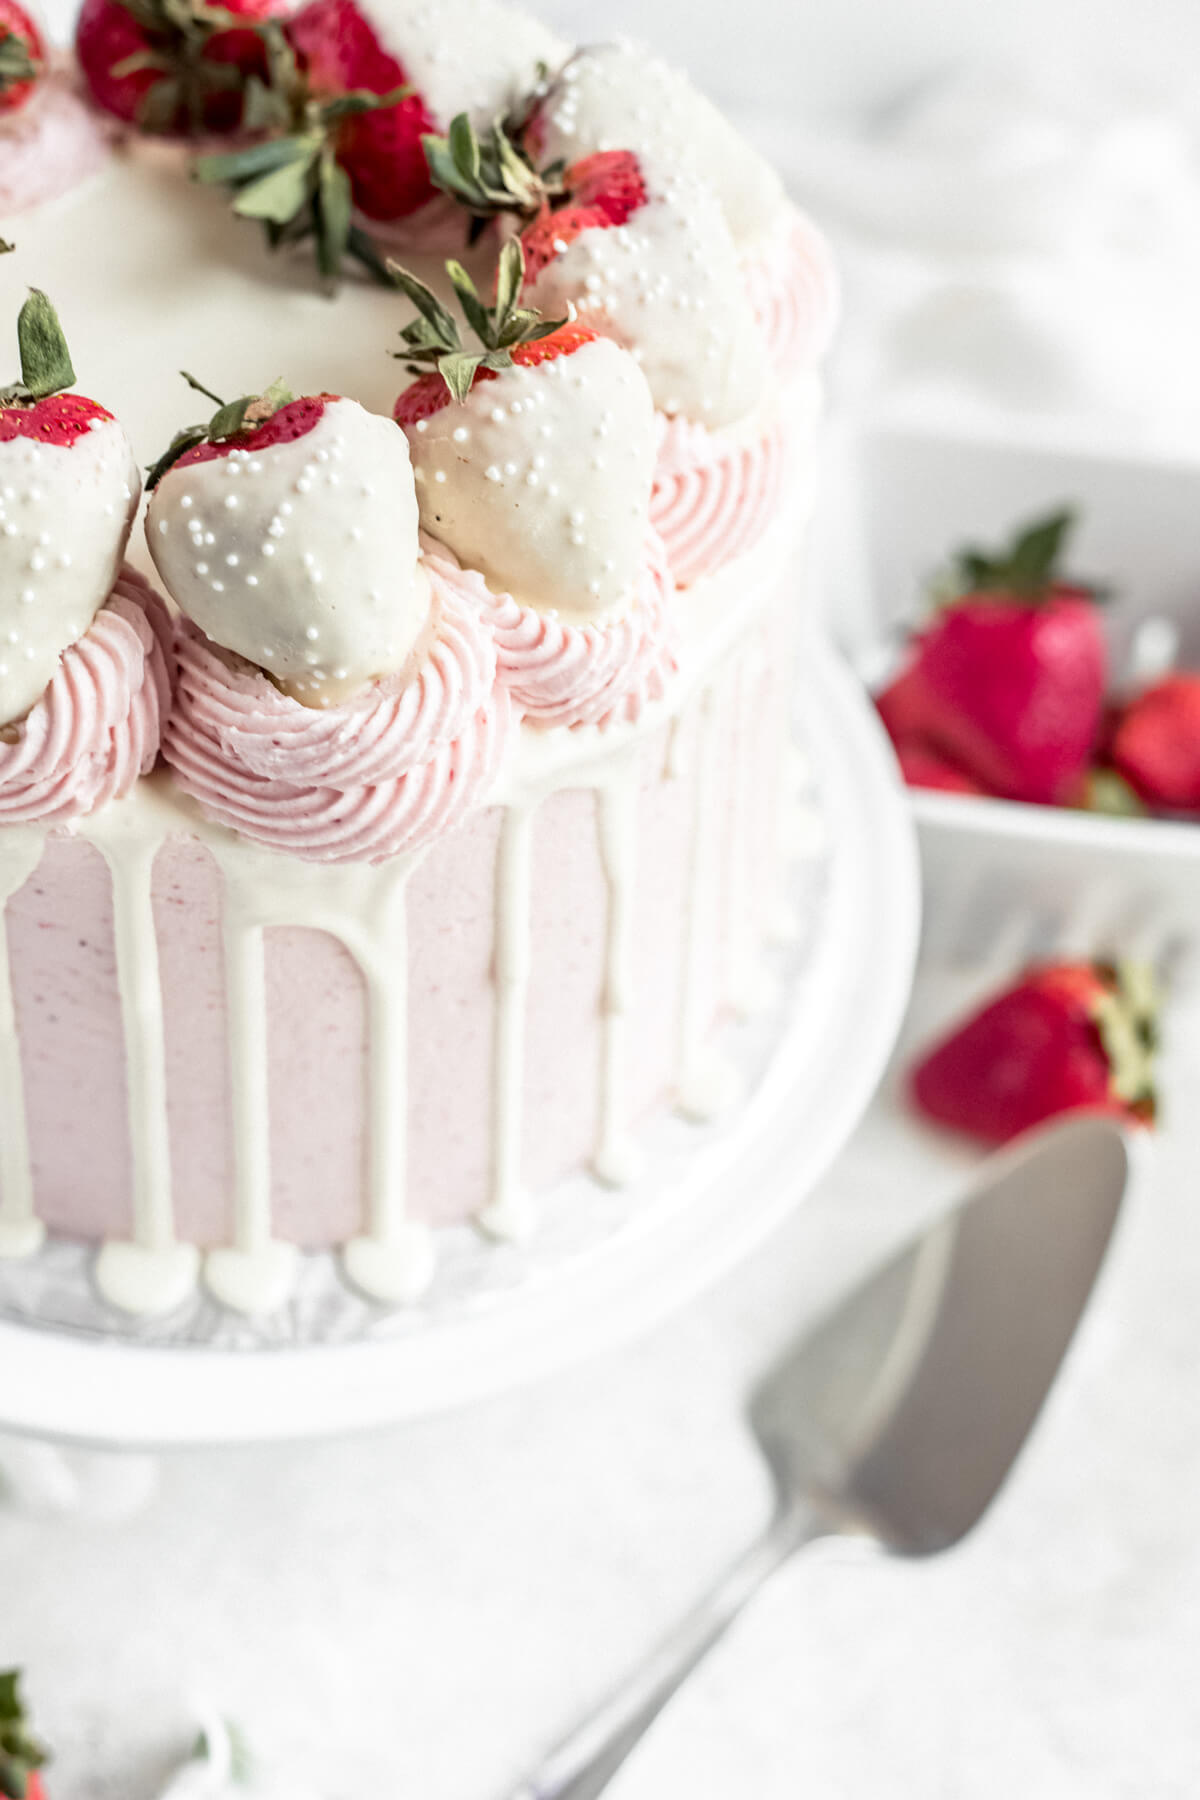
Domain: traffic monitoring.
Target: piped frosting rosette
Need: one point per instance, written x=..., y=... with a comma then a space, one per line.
x=98, y=724
x=561, y=673
x=714, y=493
x=48, y=145
x=396, y=765
x=792, y=284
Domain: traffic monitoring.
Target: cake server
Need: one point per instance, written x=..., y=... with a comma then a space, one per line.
x=899, y=1418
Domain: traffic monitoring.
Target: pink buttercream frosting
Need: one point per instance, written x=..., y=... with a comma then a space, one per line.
x=793, y=287
x=48, y=145
x=390, y=769
x=713, y=495
x=97, y=726
x=559, y=673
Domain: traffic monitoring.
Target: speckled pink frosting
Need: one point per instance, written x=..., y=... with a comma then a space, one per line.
x=793, y=287
x=48, y=145
x=391, y=768
x=713, y=495
x=559, y=673
x=98, y=724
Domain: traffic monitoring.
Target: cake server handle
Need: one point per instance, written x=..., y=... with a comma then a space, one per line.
x=583, y=1764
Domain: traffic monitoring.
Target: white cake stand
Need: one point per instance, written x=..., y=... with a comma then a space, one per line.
x=837, y=1039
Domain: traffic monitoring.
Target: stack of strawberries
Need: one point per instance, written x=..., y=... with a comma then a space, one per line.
x=1004, y=692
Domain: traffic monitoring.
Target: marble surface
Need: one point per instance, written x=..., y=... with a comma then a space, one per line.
x=416, y=1613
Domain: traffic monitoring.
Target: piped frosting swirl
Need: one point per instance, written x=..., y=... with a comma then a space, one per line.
x=397, y=764
x=98, y=724
x=561, y=673
x=792, y=285
x=714, y=495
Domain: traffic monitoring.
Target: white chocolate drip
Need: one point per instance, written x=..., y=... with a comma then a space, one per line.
x=508, y=1212
x=615, y=1160
x=706, y=1083
x=21, y=1232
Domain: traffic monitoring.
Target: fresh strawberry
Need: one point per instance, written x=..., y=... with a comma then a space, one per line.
x=339, y=49
x=21, y=1755
x=22, y=55
x=1155, y=744
x=173, y=66
x=1008, y=679
x=922, y=767
x=1067, y=1036
x=69, y=488
x=655, y=270
x=537, y=477
x=287, y=529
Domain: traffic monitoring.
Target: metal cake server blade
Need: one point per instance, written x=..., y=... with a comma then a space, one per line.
x=899, y=1418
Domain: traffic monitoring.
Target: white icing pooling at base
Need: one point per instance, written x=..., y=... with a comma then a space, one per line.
x=21, y=1231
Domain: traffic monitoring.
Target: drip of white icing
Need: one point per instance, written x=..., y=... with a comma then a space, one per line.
x=749, y=987
x=706, y=1082
x=151, y=1272
x=21, y=1231
x=393, y=1258
x=616, y=1160
x=509, y=1210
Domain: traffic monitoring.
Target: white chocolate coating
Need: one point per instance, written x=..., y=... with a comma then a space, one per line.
x=301, y=557
x=667, y=287
x=472, y=56
x=541, y=480
x=66, y=511
x=619, y=97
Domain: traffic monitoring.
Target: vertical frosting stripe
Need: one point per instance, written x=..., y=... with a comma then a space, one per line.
x=616, y=823
x=21, y=1232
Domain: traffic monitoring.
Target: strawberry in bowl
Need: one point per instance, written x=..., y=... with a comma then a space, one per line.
x=1065, y=1037
x=1006, y=681
x=1154, y=744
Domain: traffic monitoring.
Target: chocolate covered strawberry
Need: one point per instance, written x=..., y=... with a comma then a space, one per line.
x=533, y=451
x=69, y=488
x=174, y=66
x=287, y=530
x=21, y=1755
x=22, y=55
x=652, y=267
x=1007, y=679
x=471, y=53
x=617, y=96
x=1066, y=1037
x=1155, y=744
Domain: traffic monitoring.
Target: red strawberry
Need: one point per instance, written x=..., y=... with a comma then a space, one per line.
x=69, y=488
x=922, y=767
x=539, y=480
x=173, y=66
x=22, y=55
x=21, y=1756
x=1067, y=1036
x=1155, y=744
x=602, y=191
x=339, y=50
x=1008, y=679
x=287, y=529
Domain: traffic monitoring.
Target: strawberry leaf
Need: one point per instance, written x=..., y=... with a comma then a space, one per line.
x=16, y=63
x=20, y=1752
x=432, y=338
x=488, y=178
x=335, y=208
x=45, y=360
x=458, y=372
x=230, y=418
x=1027, y=566
x=283, y=193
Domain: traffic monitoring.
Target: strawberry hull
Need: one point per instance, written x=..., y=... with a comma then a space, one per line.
x=108, y=35
x=15, y=22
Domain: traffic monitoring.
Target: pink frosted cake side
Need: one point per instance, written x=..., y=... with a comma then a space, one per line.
x=409, y=840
